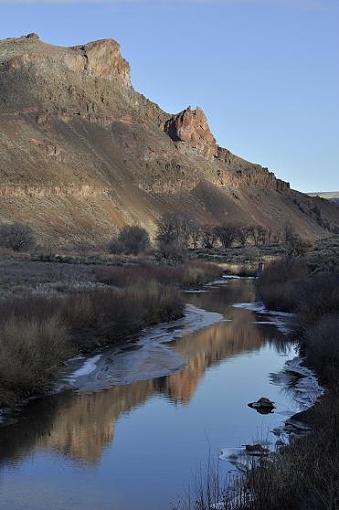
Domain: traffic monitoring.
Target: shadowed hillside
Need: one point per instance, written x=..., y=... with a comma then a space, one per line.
x=82, y=152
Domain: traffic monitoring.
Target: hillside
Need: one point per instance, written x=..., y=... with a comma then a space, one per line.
x=83, y=153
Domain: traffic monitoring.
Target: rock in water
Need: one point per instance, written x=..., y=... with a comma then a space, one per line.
x=263, y=405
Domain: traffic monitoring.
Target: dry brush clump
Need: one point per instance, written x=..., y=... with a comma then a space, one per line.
x=131, y=240
x=30, y=351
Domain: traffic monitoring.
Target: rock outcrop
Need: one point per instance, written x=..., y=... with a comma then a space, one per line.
x=191, y=127
x=70, y=121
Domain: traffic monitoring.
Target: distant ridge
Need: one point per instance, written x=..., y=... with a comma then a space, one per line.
x=332, y=196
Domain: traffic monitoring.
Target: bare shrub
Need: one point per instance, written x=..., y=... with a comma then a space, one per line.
x=17, y=237
x=174, y=251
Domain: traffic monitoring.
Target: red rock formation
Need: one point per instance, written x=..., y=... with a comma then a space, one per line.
x=191, y=126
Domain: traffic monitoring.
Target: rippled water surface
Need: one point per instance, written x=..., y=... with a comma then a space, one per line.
x=138, y=446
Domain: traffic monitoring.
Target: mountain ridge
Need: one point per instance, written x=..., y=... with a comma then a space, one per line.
x=79, y=144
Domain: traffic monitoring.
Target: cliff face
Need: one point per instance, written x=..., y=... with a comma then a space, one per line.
x=82, y=153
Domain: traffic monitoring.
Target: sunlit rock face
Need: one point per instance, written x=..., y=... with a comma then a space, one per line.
x=191, y=127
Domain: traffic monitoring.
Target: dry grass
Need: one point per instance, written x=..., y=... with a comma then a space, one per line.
x=30, y=351
x=190, y=274
x=37, y=334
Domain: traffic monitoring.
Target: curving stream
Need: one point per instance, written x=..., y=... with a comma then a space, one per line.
x=135, y=424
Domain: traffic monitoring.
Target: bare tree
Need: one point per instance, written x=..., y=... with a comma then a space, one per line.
x=196, y=234
x=242, y=234
x=208, y=236
x=174, y=228
x=258, y=234
x=226, y=234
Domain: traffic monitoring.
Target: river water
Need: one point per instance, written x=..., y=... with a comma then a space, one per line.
x=138, y=446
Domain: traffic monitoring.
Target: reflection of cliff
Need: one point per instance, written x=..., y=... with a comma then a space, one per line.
x=209, y=346
x=82, y=425
x=85, y=425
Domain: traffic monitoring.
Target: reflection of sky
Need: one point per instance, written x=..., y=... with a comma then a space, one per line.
x=158, y=444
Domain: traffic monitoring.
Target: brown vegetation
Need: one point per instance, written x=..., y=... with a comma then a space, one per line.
x=37, y=334
x=189, y=274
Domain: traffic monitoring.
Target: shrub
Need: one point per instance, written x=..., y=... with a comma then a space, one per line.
x=317, y=296
x=131, y=240
x=17, y=237
x=322, y=344
x=134, y=239
x=115, y=246
x=174, y=252
x=280, y=284
x=296, y=247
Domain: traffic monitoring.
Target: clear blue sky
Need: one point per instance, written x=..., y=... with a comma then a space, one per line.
x=266, y=72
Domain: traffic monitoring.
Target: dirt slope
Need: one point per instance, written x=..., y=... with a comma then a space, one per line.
x=82, y=153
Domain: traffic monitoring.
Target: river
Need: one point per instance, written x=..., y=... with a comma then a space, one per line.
x=138, y=445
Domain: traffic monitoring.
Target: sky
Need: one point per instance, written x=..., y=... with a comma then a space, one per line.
x=266, y=72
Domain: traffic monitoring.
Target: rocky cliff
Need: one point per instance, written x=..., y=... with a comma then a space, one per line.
x=83, y=153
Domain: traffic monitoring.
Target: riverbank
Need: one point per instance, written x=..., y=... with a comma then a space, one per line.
x=302, y=472
x=39, y=330
x=305, y=474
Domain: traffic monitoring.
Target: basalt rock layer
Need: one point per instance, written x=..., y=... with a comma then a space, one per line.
x=82, y=153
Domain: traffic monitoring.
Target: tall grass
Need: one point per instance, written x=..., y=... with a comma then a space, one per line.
x=38, y=334
x=30, y=351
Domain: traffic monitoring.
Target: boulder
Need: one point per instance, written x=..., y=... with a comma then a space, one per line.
x=263, y=405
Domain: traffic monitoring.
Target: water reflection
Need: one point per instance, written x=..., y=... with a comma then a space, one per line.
x=81, y=426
